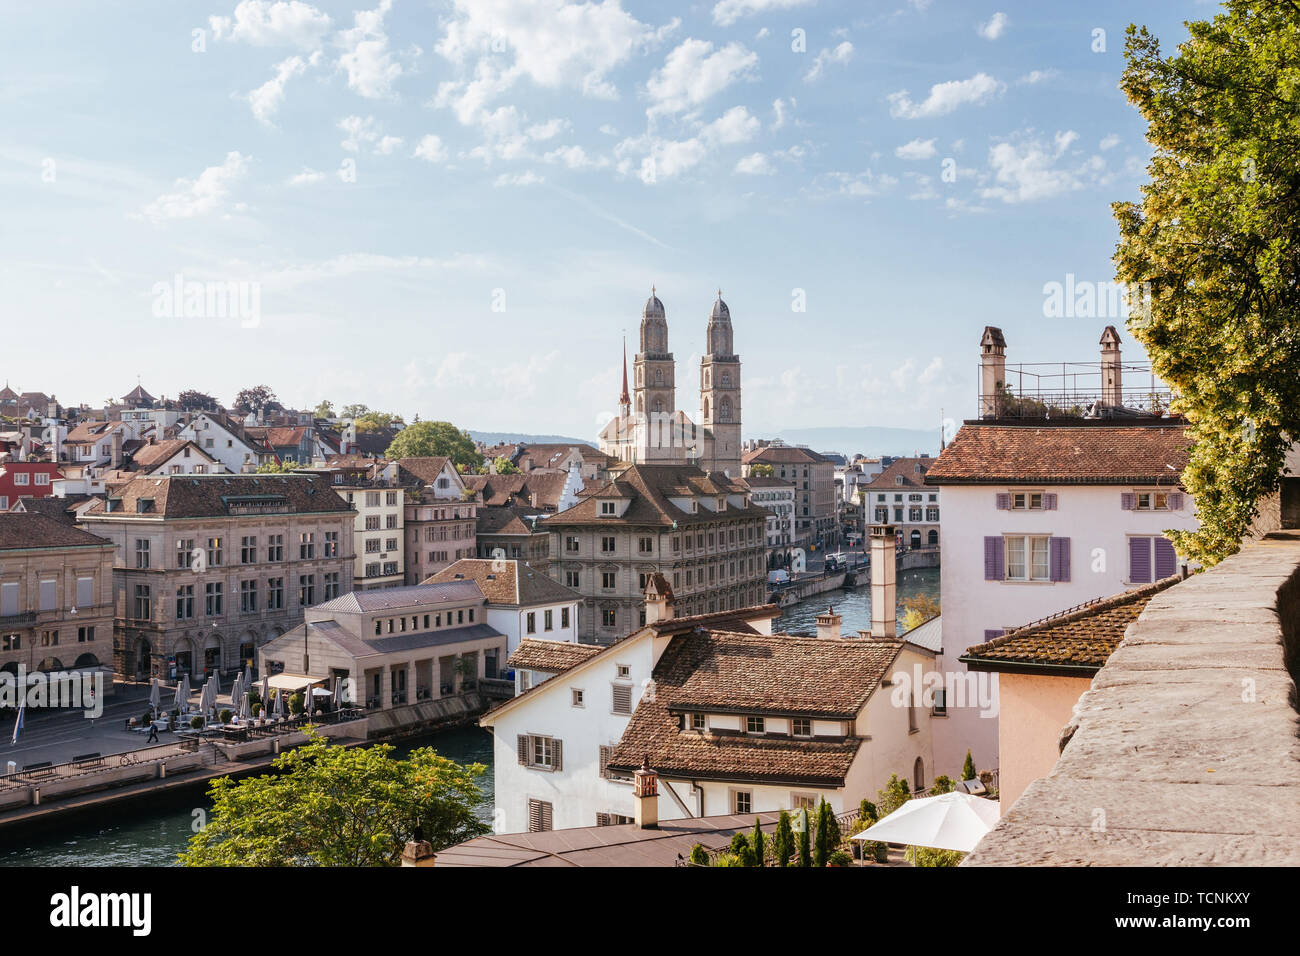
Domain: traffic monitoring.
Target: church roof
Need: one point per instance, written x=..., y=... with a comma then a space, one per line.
x=653, y=307
x=720, y=310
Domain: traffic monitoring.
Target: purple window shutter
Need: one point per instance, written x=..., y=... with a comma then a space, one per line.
x=1058, y=552
x=1049, y=502
x=1175, y=501
x=990, y=635
x=993, y=559
x=1128, y=500
x=1139, y=560
x=1166, y=559
x=1003, y=501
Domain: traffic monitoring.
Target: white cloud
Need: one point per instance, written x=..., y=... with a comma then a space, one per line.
x=273, y=24
x=946, y=97
x=755, y=164
x=994, y=28
x=360, y=130
x=1037, y=76
x=841, y=55
x=736, y=125
x=727, y=12
x=778, y=107
x=198, y=197
x=266, y=99
x=931, y=372
x=548, y=130
x=430, y=148
x=574, y=157
x=307, y=177
x=1029, y=170
x=693, y=72
x=387, y=145
x=762, y=34
x=369, y=63
x=1109, y=142
x=916, y=149
x=527, y=178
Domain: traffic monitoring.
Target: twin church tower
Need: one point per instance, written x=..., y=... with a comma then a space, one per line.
x=650, y=430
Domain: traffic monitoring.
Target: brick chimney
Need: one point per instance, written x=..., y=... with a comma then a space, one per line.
x=417, y=853
x=645, y=791
x=1112, y=376
x=658, y=599
x=116, y=460
x=884, y=592
x=993, y=371
x=828, y=623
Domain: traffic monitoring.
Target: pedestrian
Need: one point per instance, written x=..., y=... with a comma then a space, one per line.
x=153, y=732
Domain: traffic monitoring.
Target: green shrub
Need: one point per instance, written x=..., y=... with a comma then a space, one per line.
x=741, y=850
x=784, y=839
x=196, y=722
x=942, y=784
x=839, y=858
x=296, y=703
x=930, y=857
x=968, y=768
x=699, y=855
x=759, y=843
x=225, y=715
x=805, y=840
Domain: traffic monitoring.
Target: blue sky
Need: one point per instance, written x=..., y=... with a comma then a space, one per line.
x=457, y=209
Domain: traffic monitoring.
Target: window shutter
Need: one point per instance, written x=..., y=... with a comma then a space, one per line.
x=602, y=819
x=1003, y=501
x=1175, y=501
x=1049, y=501
x=49, y=595
x=622, y=698
x=557, y=755
x=604, y=761
x=521, y=743
x=1139, y=560
x=539, y=816
x=1127, y=500
x=8, y=599
x=85, y=592
x=1059, y=558
x=1166, y=559
x=993, y=559
x=991, y=634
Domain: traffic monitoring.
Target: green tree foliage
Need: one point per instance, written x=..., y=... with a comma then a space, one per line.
x=762, y=471
x=428, y=439
x=759, y=843
x=1214, y=240
x=828, y=833
x=895, y=794
x=354, y=411
x=805, y=840
x=942, y=784
x=968, y=768
x=918, y=609
x=297, y=703
x=255, y=399
x=325, y=409
x=930, y=856
x=377, y=421
x=699, y=855
x=784, y=839
x=338, y=806
x=191, y=400
x=741, y=850
x=276, y=467
x=505, y=466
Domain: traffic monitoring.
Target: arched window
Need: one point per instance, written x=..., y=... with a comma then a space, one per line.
x=918, y=775
x=659, y=406
x=934, y=537
x=659, y=376
x=724, y=410
x=706, y=409
x=640, y=403
x=916, y=539
x=726, y=380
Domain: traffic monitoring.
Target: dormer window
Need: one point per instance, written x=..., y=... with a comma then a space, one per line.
x=755, y=725
x=898, y=479
x=607, y=508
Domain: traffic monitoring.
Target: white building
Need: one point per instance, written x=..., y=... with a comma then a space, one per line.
x=1042, y=515
x=900, y=496
x=777, y=496
x=226, y=441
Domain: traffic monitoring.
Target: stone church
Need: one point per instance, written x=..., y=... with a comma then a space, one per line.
x=650, y=429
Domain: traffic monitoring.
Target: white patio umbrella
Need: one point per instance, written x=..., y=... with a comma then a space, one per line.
x=155, y=696
x=950, y=821
x=279, y=702
x=183, y=693
x=248, y=676
x=337, y=703
x=266, y=696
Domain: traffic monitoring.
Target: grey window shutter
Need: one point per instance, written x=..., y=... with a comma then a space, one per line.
x=85, y=592
x=557, y=755
x=522, y=743
x=8, y=599
x=1059, y=558
x=993, y=559
x=1127, y=500
x=1139, y=560
x=49, y=595
x=1003, y=500
x=1049, y=501
x=604, y=760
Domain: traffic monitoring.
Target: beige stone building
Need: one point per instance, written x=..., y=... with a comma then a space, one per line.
x=440, y=516
x=701, y=531
x=378, y=533
x=816, y=516
x=209, y=567
x=56, y=595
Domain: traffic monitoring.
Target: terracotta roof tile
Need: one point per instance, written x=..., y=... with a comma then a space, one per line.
x=20, y=531
x=555, y=656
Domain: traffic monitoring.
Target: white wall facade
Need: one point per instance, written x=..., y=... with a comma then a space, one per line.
x=1092, y=517
x=513, y=622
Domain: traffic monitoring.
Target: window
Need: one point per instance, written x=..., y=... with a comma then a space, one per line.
x=1151, y=501
x=540, y=753
x=803, y=801
x=539, y=816
x=578, y=697
x=564, y=617
x=548, y=620
x=940, y=703
x=531, y=618
x=801, y=727
x=571, y=544
x=1151, y=559
x=697, y=722
x=275, y=547
x=624, y=670
x=11, y=642
x=184, y=602
x=1027, y=558
x=21, y=478
x=608, y=580
x=612, y=819
x=214, y=552
x=85, y=635
x=742, y=801
x=913, y=514
x=248, y=549
x=143, y=602
x=607, y=545
x=622, y=698
x=212, y=604
x=755, y=725
x=1027, y=501
x=646, y=545
x=142, y=552
x=931, y=514
x=49, y=638
x=332, y=544
x=306, y=589
x=275, y=594
x=571, y=578
x=607, y=507
x=607, y=618
x=307, y=545
x=332, y=589
x=247, y=597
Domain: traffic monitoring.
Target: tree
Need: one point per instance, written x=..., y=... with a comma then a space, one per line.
x=918, y=609
x=758, y=842
x=784, y=840
x=353, y=411
x=428, y=439
x=1213, y=246
x=256, y=399
x=762, y=471
x=931, y=856
x=895, y=794
x=328, y=805
x=968, y=768
x=828, y=833
x=805, y=846
x=275, y=468
x=699, y=855
x=324, y=410
x=942, y=784
x=504, y=466
x=741, y=849
x=191, y=400
x=377, y=421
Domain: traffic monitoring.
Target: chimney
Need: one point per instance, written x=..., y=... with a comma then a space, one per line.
x=828, y=623
x=993, y=372
x=1112, y=376
x=884, y=593
x=116, y=460
x=645, y=790
x=658, y=599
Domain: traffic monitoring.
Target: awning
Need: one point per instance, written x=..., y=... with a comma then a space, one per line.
x=292, y=681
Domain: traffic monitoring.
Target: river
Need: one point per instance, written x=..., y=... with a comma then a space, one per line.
x=152, y=834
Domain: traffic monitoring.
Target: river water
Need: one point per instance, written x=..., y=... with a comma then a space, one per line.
x=152, y=834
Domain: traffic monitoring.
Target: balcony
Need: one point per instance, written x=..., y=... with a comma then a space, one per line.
x=1184, y=751
x=1077, y=390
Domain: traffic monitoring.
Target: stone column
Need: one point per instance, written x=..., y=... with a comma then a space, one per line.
x=386, y=688
x=410, y=681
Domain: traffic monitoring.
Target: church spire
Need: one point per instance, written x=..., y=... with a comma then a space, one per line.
x=625, y=400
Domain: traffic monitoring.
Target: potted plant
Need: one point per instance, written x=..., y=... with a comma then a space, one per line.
x=196, y=722
x=225, y=715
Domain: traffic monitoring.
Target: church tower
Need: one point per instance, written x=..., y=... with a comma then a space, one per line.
x=655, y=391
x=720, y=395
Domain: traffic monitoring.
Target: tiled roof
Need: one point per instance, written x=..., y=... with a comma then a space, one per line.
x=736, y=621
x=905, y=468
x=151, y=455
x=195, y=496
x=550, y=455
x=414, y=595
x=60, y=509
x=426, y=470
x=760, y=481
x=777, y=454
x=21, y=531
x=1078, y=640
x=506, y=581
x=489, y=521
x=554, y=656
x=1063, y=454
x=650, y=487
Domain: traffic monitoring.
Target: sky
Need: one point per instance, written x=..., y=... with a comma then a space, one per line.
x=457, y=209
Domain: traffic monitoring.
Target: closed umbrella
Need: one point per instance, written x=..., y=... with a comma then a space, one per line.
x=950, y=821
x=184, y=693
x=266, y=696
x=155, y=696
x=279, y=702
x=248, y=676
x=337, y=682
